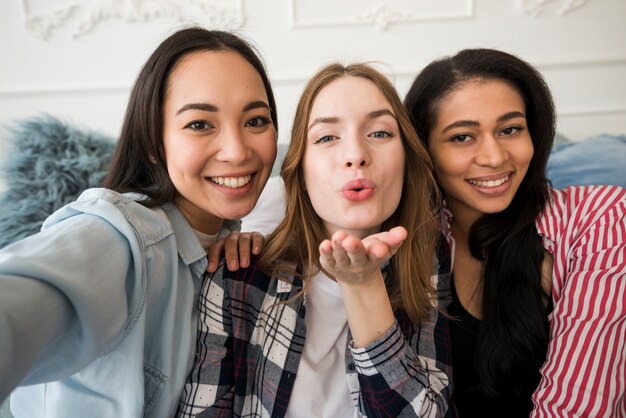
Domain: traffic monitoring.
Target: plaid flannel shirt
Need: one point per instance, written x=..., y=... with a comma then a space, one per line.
x=250, y=342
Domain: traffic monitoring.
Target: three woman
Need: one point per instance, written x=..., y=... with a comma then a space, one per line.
x=538, y=275
x=98, y=310
x=338, y=316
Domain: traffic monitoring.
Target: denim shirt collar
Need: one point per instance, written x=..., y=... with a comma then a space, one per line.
x=189, y=247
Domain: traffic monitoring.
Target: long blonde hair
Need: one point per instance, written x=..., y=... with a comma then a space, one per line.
x=296, y=239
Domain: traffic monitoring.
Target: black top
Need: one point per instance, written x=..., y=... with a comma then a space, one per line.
x=469, y=399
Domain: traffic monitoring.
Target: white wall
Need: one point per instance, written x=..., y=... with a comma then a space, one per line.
x=77, y=59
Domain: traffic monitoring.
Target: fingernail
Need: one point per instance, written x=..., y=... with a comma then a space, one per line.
x=232, y=265
x=244, y=262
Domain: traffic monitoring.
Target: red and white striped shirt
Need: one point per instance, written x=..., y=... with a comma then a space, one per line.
x=584, y=375
x=584, y=228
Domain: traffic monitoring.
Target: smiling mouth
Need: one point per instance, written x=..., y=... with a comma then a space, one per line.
x=231, y=182
x=489, y=183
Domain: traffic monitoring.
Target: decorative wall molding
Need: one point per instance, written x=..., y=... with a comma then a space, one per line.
x=285, y=79
x=83, y=16
x=380, y=16
x=535, y=7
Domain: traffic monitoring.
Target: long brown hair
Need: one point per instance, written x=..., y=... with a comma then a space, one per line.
x=297, y=237
x=138, y=163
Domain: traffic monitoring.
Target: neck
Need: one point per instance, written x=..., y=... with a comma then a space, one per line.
x=461, y=225
x=200, y=220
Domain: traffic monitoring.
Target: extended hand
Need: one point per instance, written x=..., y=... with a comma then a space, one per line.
x=351, y=260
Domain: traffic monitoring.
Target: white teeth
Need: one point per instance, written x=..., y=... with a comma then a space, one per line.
x=231, y=182
x=489, y=183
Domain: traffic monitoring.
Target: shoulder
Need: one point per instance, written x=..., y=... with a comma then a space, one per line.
x=581, y=207
x=254, y=281
x=120, y=211
x=593, y=197
x=576, y=214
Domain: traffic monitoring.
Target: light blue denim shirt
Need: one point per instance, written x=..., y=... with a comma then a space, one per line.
x=109, y=287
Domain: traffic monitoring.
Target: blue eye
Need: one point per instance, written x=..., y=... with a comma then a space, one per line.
x=380, y=134
x=257, y=122
x=325, y=138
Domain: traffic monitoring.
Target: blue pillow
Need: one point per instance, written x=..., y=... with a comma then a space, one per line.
x=49, y=164
x=597, y=160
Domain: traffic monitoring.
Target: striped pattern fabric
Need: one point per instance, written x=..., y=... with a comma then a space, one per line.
x=584, y=228
x=585, y=371
x=250, y=339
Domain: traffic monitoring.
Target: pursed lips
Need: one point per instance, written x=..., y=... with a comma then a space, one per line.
x=358, y=185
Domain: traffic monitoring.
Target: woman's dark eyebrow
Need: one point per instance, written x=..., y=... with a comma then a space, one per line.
x=511, y=115
x=463, y=123
x=460, y=124
x=255, y=105
x=207, y=107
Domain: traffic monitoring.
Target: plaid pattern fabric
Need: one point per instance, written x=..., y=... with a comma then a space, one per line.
x=250, y=342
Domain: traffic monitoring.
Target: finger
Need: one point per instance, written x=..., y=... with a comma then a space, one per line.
x=379, y=250
x=396, y=236
x=393, y=238
x=244, y=249
x=258, y=240
x=231, y=251
x=355, y=250
x=214, y=253
x=338, y=252
x=326, y=254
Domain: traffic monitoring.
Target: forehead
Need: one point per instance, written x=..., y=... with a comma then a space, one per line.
x=477, y=98
x=206, y=70
x=349, y=94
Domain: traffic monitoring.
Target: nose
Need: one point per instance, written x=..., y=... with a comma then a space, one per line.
x=233, y=146
x=357, y=154
x=491, y=153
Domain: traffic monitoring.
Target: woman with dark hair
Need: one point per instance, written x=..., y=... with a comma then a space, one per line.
x=326, y=322
x=97, y=311
x=538, y=275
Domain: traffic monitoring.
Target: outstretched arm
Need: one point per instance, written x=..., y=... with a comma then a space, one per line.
x=355, y=264
x=398, y=373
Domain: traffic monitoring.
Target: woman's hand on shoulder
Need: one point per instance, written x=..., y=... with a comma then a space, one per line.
x=236, y=248
x=351, y=260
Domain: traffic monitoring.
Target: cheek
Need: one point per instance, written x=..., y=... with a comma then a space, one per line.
x=266, y=150
x=183, y=157
x=316, y=175
x=447, y=165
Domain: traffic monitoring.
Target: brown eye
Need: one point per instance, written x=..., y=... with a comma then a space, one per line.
x=511, y=130
x=461, y=138
x=257, y=122
x=198, y=125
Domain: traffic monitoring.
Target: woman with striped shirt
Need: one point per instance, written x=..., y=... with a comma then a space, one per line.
x=538, y=275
